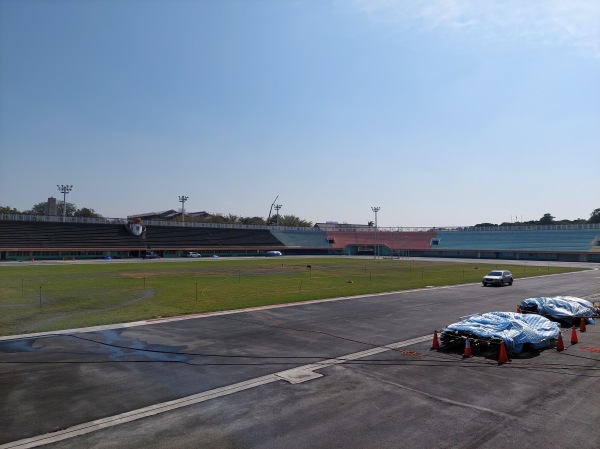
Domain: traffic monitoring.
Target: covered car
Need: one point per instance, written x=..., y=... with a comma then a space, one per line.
x=515, y=329
x=561, y=308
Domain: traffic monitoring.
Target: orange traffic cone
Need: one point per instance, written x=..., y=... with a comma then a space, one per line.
x=467, y=352
x=436, y=343
x=574, y=336
x=560, y=345
x=582, y=324
x=503, y=358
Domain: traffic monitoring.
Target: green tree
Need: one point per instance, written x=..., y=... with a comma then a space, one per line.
x=71, y=209
x=37, y=209
x=292, y=220
x=86, y=213
x=252, y=221
x=232, y=219
x=547, y=219
x=8, y=210
x=595, y=216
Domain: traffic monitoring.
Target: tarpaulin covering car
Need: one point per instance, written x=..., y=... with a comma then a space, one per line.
x=515, y=329
x=561, y=308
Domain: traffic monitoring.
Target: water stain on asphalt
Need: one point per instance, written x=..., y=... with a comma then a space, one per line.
x=111, y=343
x=17, y=346
x=120, y=348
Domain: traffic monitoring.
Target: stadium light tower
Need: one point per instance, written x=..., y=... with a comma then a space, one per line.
x=182, y=200
x=277, y=207
x=376, y=249
x=64, y=190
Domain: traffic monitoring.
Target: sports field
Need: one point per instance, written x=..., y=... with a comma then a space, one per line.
x=36, y=298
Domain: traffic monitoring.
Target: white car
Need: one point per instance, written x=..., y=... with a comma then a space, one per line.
x=498, y=277
x=193, y=254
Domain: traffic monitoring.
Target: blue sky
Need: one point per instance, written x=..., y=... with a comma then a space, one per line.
x=441, y=113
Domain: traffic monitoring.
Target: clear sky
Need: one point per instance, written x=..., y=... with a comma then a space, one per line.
x=441, y=112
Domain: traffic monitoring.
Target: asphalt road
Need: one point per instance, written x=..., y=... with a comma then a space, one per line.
x=352, y=373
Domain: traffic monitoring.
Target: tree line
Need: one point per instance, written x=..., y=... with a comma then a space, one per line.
x=548, y=219
x=282, y=220
x=86, y=212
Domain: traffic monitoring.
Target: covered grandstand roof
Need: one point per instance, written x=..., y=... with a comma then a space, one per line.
x=166, y=215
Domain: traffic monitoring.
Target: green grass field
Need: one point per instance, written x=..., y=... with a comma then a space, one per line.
x=35, y=298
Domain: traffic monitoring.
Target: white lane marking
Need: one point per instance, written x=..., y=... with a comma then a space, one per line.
x=293, y=376
x=449, y=401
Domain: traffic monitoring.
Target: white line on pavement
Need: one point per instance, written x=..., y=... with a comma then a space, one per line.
x=163, y=407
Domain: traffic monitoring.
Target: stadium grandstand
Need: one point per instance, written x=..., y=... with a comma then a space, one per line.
x=26, y=237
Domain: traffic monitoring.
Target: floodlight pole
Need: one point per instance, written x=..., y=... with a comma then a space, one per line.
x=64, y=189
x=277, y=207
x=182, y=200
x=376, y=248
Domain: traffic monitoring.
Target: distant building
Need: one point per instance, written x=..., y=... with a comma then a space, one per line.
x=51, y=207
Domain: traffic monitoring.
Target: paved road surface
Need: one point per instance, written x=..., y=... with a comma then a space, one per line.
x=352, y=373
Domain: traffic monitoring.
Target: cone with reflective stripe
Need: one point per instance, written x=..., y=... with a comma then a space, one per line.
x=560, y=345
x=503, y=358
x=574, y=336
x=467, y=352
x=582, y=324
x=436, y=343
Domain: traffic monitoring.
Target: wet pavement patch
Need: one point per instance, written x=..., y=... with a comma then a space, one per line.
x=110, y=343
x=119, y=348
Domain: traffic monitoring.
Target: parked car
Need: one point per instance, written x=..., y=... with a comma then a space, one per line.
x=273, y=253
x=498, y=277
x=193, y=254
x=151, y=255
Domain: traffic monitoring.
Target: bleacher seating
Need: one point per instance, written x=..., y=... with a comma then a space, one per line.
x=396, y=240
x=40, y=236
x=30, y=234
x=302, y=239
x=193, y=237
x=545, y=240
x=17, y=235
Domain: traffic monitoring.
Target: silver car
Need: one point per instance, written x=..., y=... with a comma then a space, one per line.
x=498, y=277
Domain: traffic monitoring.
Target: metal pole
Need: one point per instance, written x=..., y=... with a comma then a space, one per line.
x=64, y=189
x=375, y=249
x=182, y=200
x=277, y=207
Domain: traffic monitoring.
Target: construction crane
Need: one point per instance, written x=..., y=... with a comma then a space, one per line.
x=271, y=210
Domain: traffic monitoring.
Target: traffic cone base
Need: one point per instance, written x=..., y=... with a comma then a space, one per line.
x=503, y=358
x=560, y=345
x=468, y=352
x=436, y=343
x=574, y=339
